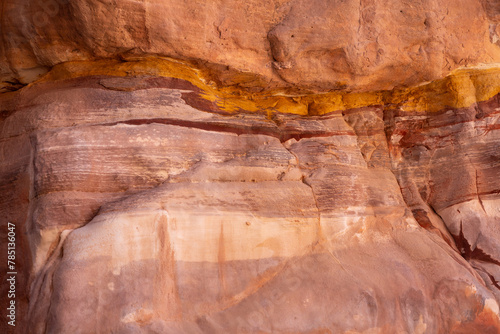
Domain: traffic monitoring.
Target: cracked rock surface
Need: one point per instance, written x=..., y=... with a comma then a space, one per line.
x=285, y=166
x=314, y=44
x=149, y=215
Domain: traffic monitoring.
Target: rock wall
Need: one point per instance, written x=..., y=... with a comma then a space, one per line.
x=267, y=167
x=316, y=45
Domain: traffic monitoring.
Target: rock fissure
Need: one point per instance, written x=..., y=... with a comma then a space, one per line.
x=468, y=253
x=478, y=192
x=492, y=278
x=282, y=135
x=42, y=288
x=304, y=181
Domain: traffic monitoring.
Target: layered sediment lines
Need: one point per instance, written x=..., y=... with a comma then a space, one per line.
x=282, y=166
x=153, y=201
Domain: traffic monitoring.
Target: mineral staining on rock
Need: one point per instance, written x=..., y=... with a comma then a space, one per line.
x=162, y=189
x=188, y=220
x=461, y=88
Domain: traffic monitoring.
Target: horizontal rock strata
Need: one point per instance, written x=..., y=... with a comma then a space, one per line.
x=149, y=207
x=282, y=166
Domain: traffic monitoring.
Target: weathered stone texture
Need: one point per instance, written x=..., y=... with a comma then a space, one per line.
x=147, y=214
x=286, y=170
x=320, y=44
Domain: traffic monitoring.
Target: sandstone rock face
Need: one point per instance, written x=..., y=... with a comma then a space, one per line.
x=147, y=214
x=215, y=192
x=318, y=45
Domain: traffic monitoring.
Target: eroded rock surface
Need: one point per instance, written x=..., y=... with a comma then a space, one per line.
x=214, y=192
x=318, y=45
x=147, y=214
